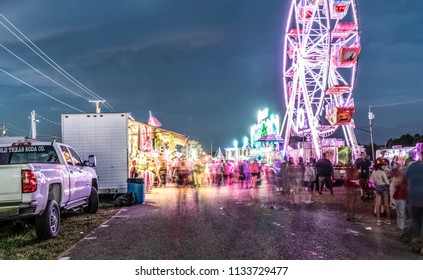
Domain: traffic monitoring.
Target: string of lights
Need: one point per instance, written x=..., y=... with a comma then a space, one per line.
x=397, y=127
x=47, y=120
x=396, y=104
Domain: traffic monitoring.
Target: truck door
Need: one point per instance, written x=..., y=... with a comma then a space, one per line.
x=78, y=181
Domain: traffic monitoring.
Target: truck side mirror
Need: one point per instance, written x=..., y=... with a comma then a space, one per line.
x=92, y=162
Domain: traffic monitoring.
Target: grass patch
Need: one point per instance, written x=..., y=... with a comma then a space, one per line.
x=19, y=242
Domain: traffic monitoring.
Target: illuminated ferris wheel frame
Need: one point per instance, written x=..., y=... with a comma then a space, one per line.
x=321, y=49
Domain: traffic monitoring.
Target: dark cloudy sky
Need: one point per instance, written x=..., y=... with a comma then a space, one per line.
x=203, y=68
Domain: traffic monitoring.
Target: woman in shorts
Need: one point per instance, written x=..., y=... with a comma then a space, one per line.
x=381, y=181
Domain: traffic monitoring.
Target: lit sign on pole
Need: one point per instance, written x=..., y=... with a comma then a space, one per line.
x=245, y=142
x=266, y=125
x=261, y=115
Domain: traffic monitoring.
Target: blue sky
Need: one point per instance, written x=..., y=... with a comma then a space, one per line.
x=203, y=68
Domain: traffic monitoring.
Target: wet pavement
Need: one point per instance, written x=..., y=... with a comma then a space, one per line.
x=228, y=222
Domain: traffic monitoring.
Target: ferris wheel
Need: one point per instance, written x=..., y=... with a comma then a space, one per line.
x=321, y=49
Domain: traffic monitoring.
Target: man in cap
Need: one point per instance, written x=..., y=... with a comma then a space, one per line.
x=363, y=167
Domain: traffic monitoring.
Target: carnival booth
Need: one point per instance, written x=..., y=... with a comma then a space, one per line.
x=151, y=146
x=124, y=148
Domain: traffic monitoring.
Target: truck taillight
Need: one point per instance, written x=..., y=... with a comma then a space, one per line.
x=29, y=181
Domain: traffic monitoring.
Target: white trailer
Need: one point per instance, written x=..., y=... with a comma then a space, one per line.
x=106, y=137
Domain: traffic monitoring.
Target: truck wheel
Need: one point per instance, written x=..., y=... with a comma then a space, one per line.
x=47, y=224
x=92, y=202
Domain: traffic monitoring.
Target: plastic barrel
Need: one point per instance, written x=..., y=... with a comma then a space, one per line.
x=136, y=186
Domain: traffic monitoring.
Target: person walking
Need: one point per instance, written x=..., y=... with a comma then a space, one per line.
x=207, y=176
x=362, y=165
x=254, y=173
x=414, y=175
x=324, y=172
x=213, y=172
x=381, y=181
x=220, y=171
x=291, y=175
x=352, y=186
x=162, y=171
x=241, y=173
x=247, y=173
x=226, y=175
x=283, y=176
x=394, y=163
x=197, y=172
x=310, y=180
x=301, y=164
x=400, y=195
x=298, y=184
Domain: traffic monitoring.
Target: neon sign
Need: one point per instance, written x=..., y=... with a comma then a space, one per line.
x=262, y=114
x=266, y=125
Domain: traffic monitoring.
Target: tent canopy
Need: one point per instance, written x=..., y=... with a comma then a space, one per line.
x=271, y=138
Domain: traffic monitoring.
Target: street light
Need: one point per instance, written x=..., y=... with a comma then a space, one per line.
x=245, y=142
x=236, y=150
x=371, y=117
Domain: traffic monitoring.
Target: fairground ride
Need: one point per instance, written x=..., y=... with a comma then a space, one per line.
x=321, y=49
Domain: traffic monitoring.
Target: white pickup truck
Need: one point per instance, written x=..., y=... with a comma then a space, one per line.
x=41, y=179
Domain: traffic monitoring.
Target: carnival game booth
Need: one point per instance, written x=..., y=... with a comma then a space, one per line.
x=403, y=153
x=151, y=146
x=124, y=148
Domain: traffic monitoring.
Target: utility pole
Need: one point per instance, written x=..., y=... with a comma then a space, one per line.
x=33, y=125
x=97, y=105
x=371, y=117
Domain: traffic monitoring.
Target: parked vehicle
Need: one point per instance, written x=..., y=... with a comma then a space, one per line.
x=41, y=179
x=107, y=136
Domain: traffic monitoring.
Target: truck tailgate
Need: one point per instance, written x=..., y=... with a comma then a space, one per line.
x=11, y=183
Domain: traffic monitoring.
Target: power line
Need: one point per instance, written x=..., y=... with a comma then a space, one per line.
x=9, y=128
x=47, y=120
x=396, y=127
x=46, y=94
x=398, y=103
x=52, y=63
x=41, y=54
x=41, y=72
x=15, y=127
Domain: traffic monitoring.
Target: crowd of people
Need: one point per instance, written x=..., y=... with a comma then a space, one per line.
x=390, y=185
x=394, y=187
x=203, y=173
x=400, y=187
x=315, y=176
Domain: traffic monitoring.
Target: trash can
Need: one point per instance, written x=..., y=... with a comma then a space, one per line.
x=136, y=185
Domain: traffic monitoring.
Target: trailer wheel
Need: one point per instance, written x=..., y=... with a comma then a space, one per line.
x=92, y=202
x=47, y=224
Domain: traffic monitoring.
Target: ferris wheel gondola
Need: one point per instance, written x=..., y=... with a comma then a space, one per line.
x=321, y=50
